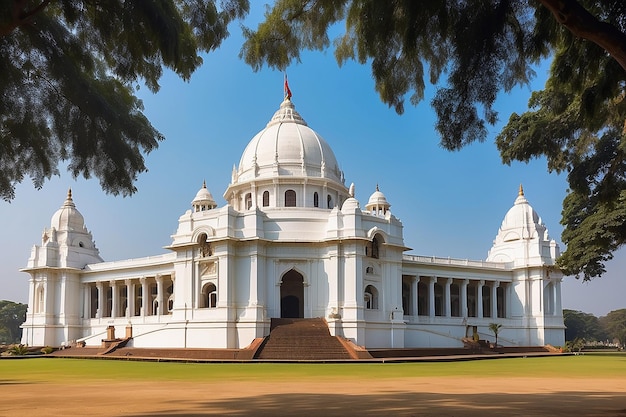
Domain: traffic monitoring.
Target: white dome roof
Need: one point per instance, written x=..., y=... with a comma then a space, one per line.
x=521, y=221
x=287, y=147
x=204, y=196
x=68, y=217
x=377, y=200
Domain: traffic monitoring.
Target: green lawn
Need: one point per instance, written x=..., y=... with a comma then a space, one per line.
x=52, y=370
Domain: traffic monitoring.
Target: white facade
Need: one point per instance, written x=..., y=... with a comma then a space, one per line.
x=292, y=241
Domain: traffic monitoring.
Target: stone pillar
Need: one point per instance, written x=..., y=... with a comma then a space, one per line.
x=415, y=296
x=160, y=290
x=101, y=301
x=447, y=301
x=86, y=301
x=146, y=306
x=494, y=299
x=114, y=298
x=463, y=296
x=479, y=298
x=431, y=296
x=558, y=308
x=130, y=298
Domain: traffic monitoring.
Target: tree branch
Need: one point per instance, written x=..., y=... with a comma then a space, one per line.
x=583, y=24
x=21, y=17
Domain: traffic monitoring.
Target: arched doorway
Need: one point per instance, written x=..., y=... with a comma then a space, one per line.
x=292, y=295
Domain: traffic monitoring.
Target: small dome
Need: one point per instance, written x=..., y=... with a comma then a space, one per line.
x=377, y=202
x=521, y=221
x=68, y=217
x=287, y=147
x=203, y=199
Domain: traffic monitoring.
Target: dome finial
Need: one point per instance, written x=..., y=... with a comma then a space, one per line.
x=287, y=90
x=521, y=191
x=203, y=183
x=377, y=187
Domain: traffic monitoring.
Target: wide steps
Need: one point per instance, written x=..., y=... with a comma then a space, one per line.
x=301, y=339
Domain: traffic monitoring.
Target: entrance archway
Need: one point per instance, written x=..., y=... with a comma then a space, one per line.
x=292, y=295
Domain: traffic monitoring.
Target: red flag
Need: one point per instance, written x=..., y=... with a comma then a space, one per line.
x=287, y=90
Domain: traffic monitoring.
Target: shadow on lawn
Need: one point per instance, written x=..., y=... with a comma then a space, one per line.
x=402, y=403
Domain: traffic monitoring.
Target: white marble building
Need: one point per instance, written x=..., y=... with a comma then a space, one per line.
x=292, y=241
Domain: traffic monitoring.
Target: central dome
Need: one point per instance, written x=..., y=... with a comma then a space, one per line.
x=287, y=147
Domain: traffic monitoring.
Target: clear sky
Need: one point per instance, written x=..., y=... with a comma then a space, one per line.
x=451, y=203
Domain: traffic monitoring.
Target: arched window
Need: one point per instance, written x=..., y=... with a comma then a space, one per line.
x=205, y=247
x=316, y=199
x=266, y=198
x=329, y=201
x=248, y=201
x=209, y=296
x=371, y=298
x=373, y=248
x=290, y=198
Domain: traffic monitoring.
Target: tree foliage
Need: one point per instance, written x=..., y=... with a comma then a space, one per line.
x=69, y=69
x=483, y=47
x=12, y=315
x=615, y=325
x=582, y=326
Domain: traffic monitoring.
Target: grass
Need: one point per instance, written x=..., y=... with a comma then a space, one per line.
x=55, y=370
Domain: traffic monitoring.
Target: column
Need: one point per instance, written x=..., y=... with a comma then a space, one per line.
x=130, y=298
x=100, y=311
x=431, y=296
x=144, y=296
x=494, y=299
x=159, y=281
x=558, y=308
x=86, y=301
x=479, y=298
x=114, y=299
x=463, y=296
x=447, y=301
x=414, y=296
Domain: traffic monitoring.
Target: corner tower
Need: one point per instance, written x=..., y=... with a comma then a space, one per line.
x=54, y=295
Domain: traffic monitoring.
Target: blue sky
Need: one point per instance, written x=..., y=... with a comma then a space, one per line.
x=450, y=203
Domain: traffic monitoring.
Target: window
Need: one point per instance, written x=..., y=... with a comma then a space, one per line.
x=266, y=198
x=371, y=298
x=329, y=201
x=209, y=296
x=290, y=198
x=248, y=201
x=372, y=248
x=316, y=199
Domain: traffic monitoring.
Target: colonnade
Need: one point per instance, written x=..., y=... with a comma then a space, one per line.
x=144, y=296
x=451, y=297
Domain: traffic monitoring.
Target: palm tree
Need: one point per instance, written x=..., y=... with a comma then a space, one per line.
x=495, y=329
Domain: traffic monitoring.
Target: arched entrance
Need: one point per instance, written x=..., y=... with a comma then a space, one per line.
x=292, y=295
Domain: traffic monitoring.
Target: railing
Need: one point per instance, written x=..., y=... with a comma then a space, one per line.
x=456, y=262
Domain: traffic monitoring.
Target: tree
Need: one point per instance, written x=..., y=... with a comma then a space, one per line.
x=615, y=325
x=580, y=325
x=12, y=315
x=485, y=47
x=69, y=69
x=495, y=329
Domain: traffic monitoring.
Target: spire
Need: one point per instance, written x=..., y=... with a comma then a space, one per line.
x=203, y=183
x=68, y=200
x=521, y=191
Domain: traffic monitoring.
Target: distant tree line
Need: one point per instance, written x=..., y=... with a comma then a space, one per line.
x=586, y=327
x=12, y=315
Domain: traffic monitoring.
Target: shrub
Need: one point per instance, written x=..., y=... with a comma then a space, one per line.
x=18, y=349
x=47, y=350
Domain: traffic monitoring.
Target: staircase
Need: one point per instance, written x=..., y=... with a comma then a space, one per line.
x=301, y=339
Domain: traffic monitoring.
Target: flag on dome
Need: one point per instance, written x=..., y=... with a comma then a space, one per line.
x=287, y=90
